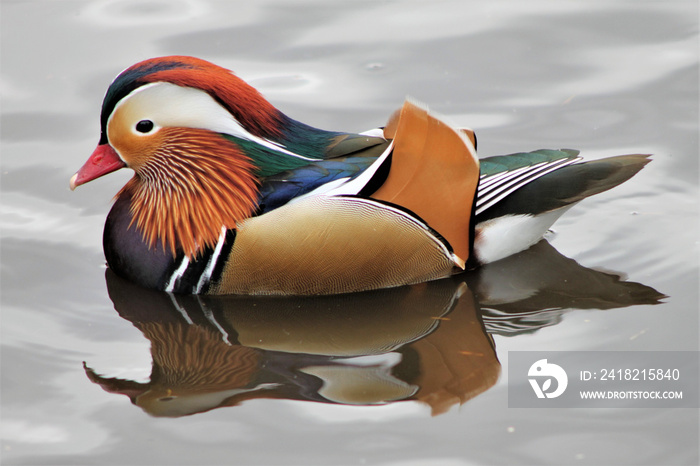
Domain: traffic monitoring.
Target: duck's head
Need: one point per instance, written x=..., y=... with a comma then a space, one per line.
x=181, y=124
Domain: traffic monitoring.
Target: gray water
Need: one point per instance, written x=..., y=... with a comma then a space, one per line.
x=619, y=271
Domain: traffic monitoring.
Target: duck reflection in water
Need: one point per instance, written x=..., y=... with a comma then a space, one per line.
x=429, y=343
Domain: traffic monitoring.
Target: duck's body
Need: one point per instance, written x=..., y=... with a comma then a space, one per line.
x=232, y=196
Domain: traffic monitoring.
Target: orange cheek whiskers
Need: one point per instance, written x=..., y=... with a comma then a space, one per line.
x=192, y=186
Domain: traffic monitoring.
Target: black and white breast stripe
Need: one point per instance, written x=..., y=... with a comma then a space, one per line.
x=194, y=277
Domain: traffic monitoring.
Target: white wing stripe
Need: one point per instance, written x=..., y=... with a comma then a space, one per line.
x=498, y=192
x=348, y=186
x=496, y=179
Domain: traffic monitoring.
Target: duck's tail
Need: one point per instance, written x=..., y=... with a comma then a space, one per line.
x=525, y=209
x=565, y=186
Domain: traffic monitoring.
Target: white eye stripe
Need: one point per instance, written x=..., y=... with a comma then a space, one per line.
x=170, y=105
x=167, y=104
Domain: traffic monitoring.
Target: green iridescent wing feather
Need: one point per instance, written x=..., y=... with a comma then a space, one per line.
x=505, y=163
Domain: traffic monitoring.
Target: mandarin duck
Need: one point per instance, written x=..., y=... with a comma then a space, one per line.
x=232, y=196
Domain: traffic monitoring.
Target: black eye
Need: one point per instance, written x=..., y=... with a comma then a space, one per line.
x=144, y=126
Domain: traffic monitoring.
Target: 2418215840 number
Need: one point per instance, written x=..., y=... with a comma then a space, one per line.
x=640, y=374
